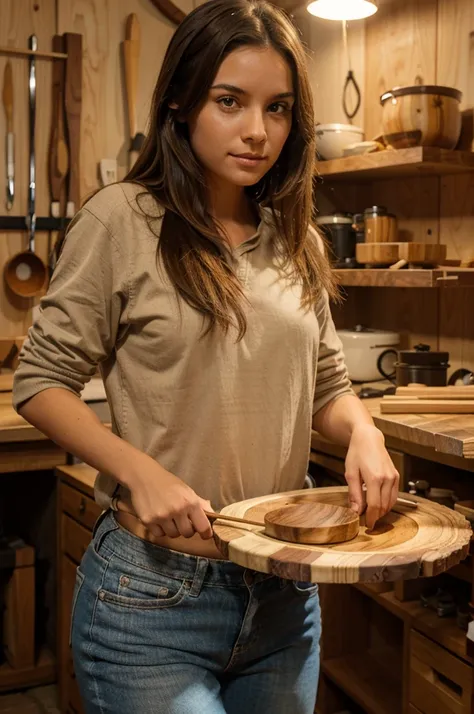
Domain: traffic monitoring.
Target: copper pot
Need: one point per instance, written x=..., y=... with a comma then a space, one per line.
x=421, y=115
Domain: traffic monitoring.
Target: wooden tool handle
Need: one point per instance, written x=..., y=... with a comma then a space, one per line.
x=73, y=103
x=169, y=10
x=233, y=519
x=58, y=154
x=131, y=50
x=8, y=95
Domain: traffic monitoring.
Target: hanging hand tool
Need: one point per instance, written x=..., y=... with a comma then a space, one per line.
x=10, y=143
x=33, y=45
x=25, y=273
x=58, y=153
x=73, y=103
x=131, y=51
x=58, y=150
x=350, y=79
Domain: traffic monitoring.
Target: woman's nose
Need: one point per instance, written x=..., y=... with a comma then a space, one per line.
x=254, y=128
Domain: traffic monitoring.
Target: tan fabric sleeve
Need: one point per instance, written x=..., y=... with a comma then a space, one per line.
x=332, y=379
x=80, y=314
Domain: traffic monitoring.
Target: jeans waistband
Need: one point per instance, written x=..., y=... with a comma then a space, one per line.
x=163, y=560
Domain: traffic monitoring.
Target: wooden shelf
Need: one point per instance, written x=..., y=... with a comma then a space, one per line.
x=44, y=672
x=418, y=161
x=372, y=678
x=442, y=630
x=411, y=278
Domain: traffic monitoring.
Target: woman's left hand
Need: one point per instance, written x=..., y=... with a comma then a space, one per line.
x=368, y=462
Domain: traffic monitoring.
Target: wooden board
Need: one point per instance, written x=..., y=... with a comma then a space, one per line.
x=446, y=433
x=404, y=405
x=407, y=543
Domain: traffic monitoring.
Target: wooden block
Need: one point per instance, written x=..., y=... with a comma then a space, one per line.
x=428, y=254
x=19, y=616
x=426, y=406
x=466, y=392
x=377, y=253
x=422, y=253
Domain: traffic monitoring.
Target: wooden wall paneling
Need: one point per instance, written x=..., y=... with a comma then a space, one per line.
x=104, y=132
x=19, y=19
x=415, y=202
x=456, y=68
x=412, y=312
x=456, y=327
x=400, y=46
x=327, y=65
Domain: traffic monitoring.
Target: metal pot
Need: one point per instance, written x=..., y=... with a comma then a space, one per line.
x=339, y=230
x=418, y=366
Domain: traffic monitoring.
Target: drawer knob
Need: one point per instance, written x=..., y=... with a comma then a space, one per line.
x=82, y=506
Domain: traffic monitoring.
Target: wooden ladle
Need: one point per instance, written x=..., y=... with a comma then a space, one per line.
x=310, y=523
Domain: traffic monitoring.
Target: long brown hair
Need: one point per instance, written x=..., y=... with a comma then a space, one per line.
x=168, y=169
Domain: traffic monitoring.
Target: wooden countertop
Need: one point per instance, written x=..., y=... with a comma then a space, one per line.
x=445, y=433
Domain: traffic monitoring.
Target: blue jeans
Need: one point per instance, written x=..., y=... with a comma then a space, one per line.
x=155, y=631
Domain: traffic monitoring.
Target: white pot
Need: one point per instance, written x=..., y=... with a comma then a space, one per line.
x=332, y=139
x=362, y=347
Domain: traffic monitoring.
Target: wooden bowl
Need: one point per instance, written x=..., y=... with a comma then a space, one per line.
x=421, y=115
x=312, y=523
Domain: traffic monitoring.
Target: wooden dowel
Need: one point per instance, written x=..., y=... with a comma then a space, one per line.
x=214, y=516
x=26, y=53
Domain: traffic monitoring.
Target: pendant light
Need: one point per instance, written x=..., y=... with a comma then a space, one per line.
x=342, y=9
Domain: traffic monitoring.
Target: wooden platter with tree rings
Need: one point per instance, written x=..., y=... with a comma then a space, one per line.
x=407, y=543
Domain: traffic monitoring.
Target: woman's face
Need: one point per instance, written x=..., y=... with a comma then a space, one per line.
x=237, y=134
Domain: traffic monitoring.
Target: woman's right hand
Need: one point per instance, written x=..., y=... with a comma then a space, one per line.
x=165, y=504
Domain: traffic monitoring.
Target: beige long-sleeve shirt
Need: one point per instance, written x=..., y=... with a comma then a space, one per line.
x=231, y=419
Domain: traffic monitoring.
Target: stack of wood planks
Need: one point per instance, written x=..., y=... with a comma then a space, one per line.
x=418, y=399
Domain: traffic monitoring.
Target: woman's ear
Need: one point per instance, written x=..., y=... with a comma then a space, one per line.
x=175, y=107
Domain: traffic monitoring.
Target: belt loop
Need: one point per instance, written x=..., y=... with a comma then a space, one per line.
x=199, y=575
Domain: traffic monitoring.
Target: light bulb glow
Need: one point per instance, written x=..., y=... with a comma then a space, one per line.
x=342, y=9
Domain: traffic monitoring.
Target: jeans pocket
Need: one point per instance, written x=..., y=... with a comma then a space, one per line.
x=304, y=588
x=131, y=586
x=77, y=589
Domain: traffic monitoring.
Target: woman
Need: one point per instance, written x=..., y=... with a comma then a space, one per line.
x=200, y=290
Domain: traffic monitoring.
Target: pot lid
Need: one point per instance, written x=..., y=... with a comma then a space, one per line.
x=422, y=355
x=422, y=89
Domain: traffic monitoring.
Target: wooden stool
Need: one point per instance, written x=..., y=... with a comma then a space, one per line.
x=19, y=596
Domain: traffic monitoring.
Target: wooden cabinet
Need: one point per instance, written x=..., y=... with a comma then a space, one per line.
x=382, y=652
x=439, y=682
x=76, y=517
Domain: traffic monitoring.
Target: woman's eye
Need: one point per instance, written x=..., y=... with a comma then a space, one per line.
x=279, y=108
x=227, y=102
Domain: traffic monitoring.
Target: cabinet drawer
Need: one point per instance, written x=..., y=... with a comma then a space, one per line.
x=75, y=538
x=81, y=507
x=440, y=683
